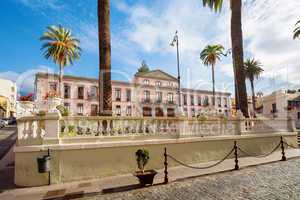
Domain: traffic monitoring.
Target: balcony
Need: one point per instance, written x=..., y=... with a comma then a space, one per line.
x=170, y=102
x=146, y=101
x=158, y=101
x=118, y=98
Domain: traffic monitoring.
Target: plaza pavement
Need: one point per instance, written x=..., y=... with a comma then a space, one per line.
x=115, y=187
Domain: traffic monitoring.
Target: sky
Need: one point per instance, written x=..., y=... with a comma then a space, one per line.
x=143, y=29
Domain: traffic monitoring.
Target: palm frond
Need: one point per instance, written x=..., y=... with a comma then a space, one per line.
x=252, y=69
x=60, y=46
x=215, y=5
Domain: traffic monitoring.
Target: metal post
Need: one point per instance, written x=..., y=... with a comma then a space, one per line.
x=236, y=167
x=166, y=180
x=283, y=158
x=173, y=43
x=49, y=173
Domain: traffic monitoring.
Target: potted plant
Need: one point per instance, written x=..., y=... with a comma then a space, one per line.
x=145, y=176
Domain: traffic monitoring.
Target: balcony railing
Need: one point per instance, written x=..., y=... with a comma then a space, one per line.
x=55, y=129
x=147, y=100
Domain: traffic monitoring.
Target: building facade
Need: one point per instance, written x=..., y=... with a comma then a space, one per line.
x=8, y=98
x=152, y=93
x=281, y=104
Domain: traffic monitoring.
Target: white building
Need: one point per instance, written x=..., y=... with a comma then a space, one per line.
x=8, y=97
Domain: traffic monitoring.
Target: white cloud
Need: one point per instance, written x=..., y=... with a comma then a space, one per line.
x=25, y=80
x=267, y=28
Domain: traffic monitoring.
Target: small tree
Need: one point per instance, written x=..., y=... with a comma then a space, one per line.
x=143, y=68
x=142, y=157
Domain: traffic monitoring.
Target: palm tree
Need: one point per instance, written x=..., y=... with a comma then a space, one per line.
x=209, y=56
x=297, y=30
x=237, y=49
x=252, y=71
x=61, y=47
x=105, y=99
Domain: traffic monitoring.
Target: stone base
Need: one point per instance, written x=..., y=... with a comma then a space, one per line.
x=81, y=161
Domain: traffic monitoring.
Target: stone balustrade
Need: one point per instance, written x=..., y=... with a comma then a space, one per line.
x=54, y=129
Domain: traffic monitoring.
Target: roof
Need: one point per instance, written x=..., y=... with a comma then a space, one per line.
x=79, y=78
x=156, y=74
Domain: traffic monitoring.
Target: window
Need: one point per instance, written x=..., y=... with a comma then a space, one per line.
x=118, y=94
x=158, y=83
x=170, y=112
x=170, y=98
x=219, y=101
x=298, y=115
x=184, y=99
x=274, y=109
x=146, y=82
x=93, y=92
x=206, y=102
x=13, y=89
x=225, y=102
x=146, y=96
x=128, y=111
x=199, y=101
x=128, y=95
x=192, y=99
x=67, y=106
x=94, y=110
x=80, y=92
x=118, y=110
x=80, y=109
x=158, y=97
x=212, y=100
x=170, y=84
x=53, y=86
x=67, y=92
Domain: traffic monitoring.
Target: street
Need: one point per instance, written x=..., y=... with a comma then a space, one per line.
x=279, y=180
x=7, y=139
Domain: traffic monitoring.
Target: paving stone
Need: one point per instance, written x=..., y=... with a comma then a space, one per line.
x=280, y=180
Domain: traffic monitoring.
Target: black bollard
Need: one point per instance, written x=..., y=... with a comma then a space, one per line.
x=166, y=180
x=283, y=158
x=236, y=167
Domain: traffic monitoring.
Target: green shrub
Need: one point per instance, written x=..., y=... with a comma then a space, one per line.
x=63, y=110
x=41, y=113
x=142, y=157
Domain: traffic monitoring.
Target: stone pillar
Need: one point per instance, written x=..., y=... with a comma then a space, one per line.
x=52, y=128
x=291, y=124
x=240, y=125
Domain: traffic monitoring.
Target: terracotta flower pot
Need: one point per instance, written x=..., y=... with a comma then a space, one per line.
x=145, y=178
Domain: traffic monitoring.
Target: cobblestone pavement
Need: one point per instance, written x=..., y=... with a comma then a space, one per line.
x=280, y=180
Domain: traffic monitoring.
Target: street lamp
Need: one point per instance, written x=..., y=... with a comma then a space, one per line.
x=173, y=43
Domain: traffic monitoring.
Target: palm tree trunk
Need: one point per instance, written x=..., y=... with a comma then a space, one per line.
x=253, y=97
x=237, y=54
x=105, y=93
x=213, y=83
x=60, y=78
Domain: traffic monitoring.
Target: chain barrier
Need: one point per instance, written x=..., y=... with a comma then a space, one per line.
x=206, y=167
x=234, y=150
x=289, y=145
x=259, y=156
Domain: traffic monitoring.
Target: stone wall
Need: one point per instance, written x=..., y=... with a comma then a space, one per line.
x=81, y=161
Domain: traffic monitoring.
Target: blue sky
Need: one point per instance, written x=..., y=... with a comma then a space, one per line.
x=143, y=29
